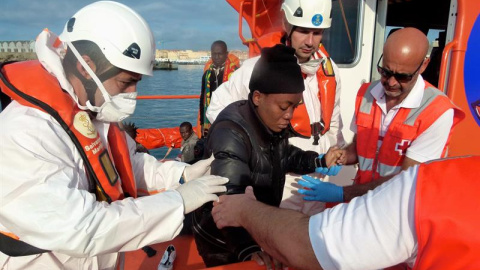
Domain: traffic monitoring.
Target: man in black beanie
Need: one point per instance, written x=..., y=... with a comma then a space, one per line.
x=249, y=140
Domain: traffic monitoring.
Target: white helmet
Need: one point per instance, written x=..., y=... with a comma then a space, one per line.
x=308, y=13
x=122, y=34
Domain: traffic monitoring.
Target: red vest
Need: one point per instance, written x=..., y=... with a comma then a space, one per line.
x=327, y=89
x=447, y=203
x=31, y=85
x=407, y=125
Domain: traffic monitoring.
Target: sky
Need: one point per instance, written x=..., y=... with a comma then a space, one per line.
x=176, y=24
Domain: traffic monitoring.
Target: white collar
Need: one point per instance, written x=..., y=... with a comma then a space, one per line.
x=413, y=99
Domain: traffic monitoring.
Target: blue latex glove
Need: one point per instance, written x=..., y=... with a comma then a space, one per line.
x=320, y=191
x=333, y=170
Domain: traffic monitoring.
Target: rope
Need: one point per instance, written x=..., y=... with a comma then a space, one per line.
x=346, y=26
x=268, y=16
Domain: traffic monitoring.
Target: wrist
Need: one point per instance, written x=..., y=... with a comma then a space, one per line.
x=248, y=209
x=320, y=161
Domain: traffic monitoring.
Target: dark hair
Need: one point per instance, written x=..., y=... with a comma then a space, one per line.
x=199, y=149
x=221, y=43
x=187, y=125
x=85, y=47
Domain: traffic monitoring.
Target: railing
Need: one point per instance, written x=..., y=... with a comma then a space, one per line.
x=169, y=97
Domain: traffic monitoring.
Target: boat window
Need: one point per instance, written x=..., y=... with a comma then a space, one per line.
x=433, y=23
x=342, y=39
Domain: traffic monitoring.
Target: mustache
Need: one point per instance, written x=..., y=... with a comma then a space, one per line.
x=387, y=87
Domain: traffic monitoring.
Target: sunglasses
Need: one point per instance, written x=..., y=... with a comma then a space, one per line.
x=400, y=77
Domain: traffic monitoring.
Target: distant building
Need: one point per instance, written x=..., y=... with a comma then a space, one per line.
x=25, y=50
x=17, y=50
x=189, y=57
x=17, y=46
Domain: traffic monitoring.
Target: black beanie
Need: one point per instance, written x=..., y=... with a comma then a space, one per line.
x=277, y=72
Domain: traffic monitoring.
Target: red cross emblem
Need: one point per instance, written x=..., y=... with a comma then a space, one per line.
x=401, y=147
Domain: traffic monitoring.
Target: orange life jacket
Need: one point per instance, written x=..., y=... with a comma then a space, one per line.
x=446, y=214
x=231, y=64
x=31, y=85
x=406, y=126
x=327, y=88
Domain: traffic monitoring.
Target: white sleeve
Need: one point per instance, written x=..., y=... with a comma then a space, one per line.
x=44, y=197
x=372, y=231
x=336, y=125
x=429, y=145
x=151, y=175
x=353, y=124
x=236, y=88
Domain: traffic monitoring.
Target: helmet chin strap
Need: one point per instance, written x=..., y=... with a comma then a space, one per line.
x=93, y=84
x=289, y=34
x=90, y=85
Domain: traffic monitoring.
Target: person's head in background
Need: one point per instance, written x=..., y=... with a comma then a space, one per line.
x=304, y=22
x=219, y=52
x=276, y=86
x=186, y=130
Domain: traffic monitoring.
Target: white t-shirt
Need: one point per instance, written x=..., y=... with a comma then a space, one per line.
x=428, y=145
x=373, y=231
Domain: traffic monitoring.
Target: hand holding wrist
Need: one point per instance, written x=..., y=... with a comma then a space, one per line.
x=320, y=191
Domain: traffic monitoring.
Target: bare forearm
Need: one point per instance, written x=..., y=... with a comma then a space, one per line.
x=350, y=192
x=281, y=233
x=351, y=153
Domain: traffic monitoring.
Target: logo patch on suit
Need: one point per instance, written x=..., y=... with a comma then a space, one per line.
x=84, y=125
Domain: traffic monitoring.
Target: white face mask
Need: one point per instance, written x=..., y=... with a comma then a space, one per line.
x=114, y=109
x=117, y=108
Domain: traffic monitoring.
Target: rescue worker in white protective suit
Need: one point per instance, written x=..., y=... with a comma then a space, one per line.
x=73, y=190
x=317, y=121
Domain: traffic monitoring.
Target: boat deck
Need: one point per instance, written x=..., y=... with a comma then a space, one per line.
x=187, y=258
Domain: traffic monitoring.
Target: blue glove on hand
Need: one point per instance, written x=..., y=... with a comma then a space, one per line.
x=333, y=170
x=320, y=191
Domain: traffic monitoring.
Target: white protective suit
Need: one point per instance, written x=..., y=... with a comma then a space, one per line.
x=44, y=197
x=236, y=88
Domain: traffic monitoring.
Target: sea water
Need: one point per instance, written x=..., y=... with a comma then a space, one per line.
x=187, y=80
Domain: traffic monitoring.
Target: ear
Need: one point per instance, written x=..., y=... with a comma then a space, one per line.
x=424, y=65
x=257, y=97
x=82, y=70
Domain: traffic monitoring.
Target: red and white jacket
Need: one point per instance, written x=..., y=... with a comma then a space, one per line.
x=378, y=161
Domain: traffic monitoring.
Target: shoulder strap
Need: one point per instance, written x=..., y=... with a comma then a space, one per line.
x=15, y=248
